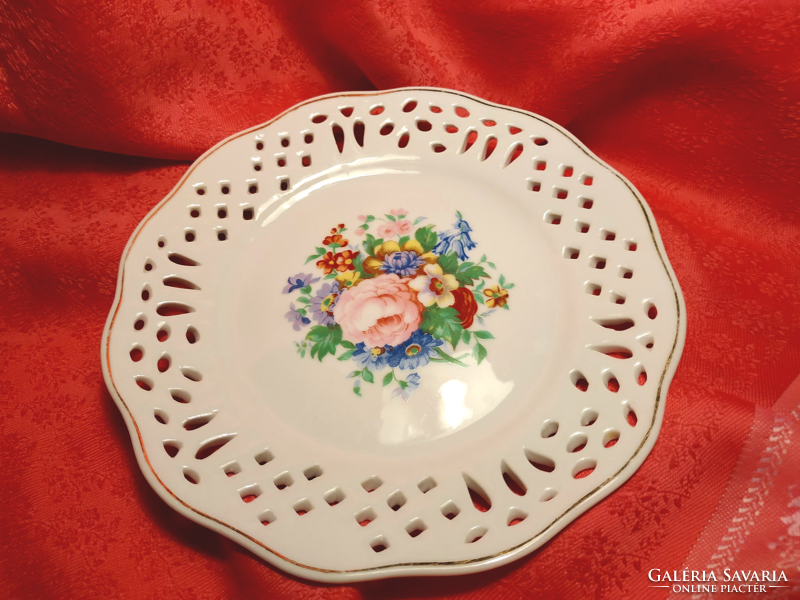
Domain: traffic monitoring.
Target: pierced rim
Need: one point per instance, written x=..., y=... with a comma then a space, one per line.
x=614, y=379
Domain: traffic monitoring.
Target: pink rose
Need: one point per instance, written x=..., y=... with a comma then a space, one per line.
x=362, y=217
x=399, y=211
x=403, y=227
x=382, y=311
x=360, y=231
x=387, y=230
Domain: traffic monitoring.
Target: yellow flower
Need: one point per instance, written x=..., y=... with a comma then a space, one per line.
x=349, y=279
x=373, y=265
x=496, y=296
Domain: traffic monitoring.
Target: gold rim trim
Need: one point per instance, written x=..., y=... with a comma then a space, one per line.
x=473, y=561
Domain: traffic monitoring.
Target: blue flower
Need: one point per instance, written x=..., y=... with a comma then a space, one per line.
x=299, y=281
x=322, y=304
x=404, y=263
x=412, y=383
x=415, y=352
x=375, y=358
x=457, y=241
x=296, y=318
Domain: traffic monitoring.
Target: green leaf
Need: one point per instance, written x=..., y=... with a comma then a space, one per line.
x=387, y=379
x=403, y=240
x=312, y=257
x=320, y=250
x=510, y=286
x=325, y=348
x=403, y=384
x=449, y=262
x=358, y=262
x=480, y=286
x=353, y=374
x=304, y=300
x=390, y=217
x=348, y=345
x=468, y=272
x=419, y=220
x=505, y=307
x=484, y=335
x=347, y=355
x=447, y=358
x=442, y=323
x=318, y=333
x=426, y=237
x=479, y=352
x=491, y=264
x=478, y=297
x=367, y=375
x=302, y=311
x=336, y=335
x=370, y=219
x=369, y=244
x=483, y=258
x=364, y=226
x=502, y=280
x=306, y=290
x=314, y=350
x=466, y=336
x=357, y=390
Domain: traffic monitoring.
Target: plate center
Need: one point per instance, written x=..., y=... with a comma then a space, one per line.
x=382, y=307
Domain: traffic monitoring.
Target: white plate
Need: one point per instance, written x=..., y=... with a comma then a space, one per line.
x=337, y=473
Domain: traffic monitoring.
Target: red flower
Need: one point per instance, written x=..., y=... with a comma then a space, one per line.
x=465, y=306
x=341, y=261
x=341, y=225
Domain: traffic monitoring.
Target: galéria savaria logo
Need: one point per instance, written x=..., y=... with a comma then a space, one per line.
x=726, y=581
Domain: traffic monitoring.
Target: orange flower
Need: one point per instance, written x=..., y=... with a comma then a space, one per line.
x=334, y=230
x=341, y=262
x=496, y=296
x=345, y=261
x=335, y=239
x=327, y=263
x=341, y=225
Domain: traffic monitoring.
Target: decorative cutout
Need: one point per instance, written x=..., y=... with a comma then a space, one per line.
x=213, y=445
x=539, y=461
x=549, y=429
x=426, y=485
x=450, y=510
x=334, y=496
x=415, y=527
x=475, y=534
x=513, y=482
x=366, y=516
x=396, y=500
x=264, y=457
x=372, y=484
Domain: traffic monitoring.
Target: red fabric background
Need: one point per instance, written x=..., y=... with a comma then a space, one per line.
x=697, y=103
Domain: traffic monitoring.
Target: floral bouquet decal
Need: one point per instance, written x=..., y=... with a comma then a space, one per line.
x=397, y=302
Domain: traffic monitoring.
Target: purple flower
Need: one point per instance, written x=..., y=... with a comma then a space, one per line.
x=296, y=318
x=412, y=383
x=299, y=281
x=402, y=263
x=322, y=304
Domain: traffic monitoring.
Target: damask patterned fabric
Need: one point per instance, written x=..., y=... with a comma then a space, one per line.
x=697, y=103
